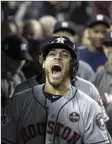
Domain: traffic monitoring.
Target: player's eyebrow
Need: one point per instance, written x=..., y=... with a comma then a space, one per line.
x=63, y=50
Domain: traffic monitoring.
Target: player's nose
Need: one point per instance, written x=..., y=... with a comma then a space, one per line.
x=58, y=56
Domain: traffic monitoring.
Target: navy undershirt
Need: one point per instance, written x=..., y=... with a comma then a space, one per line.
x=51, y=97
x=95, y=60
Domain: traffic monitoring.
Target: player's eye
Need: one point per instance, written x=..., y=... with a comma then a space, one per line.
x=65, y=54
x=52, y=53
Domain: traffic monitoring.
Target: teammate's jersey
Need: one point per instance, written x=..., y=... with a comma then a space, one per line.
x=84, y=85
x=85, y=71
x=74, y=118
x=88, y=88
x=103, y=81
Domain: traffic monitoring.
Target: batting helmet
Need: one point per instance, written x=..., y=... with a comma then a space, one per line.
x=64, y=42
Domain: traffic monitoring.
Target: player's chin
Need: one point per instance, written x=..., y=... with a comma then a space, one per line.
x=99, y=44
x=55, y=82
x=55, y=85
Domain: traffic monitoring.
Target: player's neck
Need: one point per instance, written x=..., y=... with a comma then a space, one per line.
x=93, y=49
x=60, y=90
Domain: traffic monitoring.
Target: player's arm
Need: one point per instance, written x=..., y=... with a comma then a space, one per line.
x=95, y=129
x=8, y=127
x=96, y=96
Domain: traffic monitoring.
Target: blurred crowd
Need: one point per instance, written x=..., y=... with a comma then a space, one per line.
x=27, y=26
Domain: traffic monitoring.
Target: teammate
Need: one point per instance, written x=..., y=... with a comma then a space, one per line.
x=47, y=22
x=33, y=32
x=93, y=54
x=103, y=79
x=14, y=56
x=54, y=112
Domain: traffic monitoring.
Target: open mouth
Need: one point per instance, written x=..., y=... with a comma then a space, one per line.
x=56, y=69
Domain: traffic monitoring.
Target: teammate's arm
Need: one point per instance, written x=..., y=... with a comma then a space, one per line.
x=96, y=96
x=95, y=129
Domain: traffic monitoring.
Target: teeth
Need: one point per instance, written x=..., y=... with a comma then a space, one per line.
x=56, y=65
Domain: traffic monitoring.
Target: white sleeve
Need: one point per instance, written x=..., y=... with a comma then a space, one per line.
x=8, y=128
x=95, y=130
x=96, y=96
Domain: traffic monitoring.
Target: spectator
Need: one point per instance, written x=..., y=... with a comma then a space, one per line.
x=49, y=8
x=47, y=22
x=14, y=55
x=101, y=7
x=103, y=79
x=32, y=29
x=19, y=25
x=68, y=29
x=94, y=54
x=9, y=8
x=79, y=14
x=33, y=32
x=8, y=28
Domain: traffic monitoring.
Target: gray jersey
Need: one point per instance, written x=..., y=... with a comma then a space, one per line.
x=103, y=81
x=84, y=85
x=31, y=118
x=85, y=71
x=88, y=88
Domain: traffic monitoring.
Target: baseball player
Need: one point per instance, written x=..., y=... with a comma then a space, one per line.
x=14, y=56
x=93, y=54
x=54, y=112
x=84, y=85
x=103, y=79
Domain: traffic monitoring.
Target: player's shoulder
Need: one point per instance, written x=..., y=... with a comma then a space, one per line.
x=85, y=65
x=26, y=94
x=98, y=77
x=26, y=85
x=84, y=99
x=85, y=82
x=21, y=101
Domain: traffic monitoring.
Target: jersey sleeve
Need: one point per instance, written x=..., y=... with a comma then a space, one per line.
x=8, y=127
x=95, y=130
x=96, y=96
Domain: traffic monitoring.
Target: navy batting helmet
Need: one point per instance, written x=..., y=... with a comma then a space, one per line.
x=64, y=42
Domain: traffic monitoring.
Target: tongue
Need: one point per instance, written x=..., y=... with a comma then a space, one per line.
x=56, y=74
